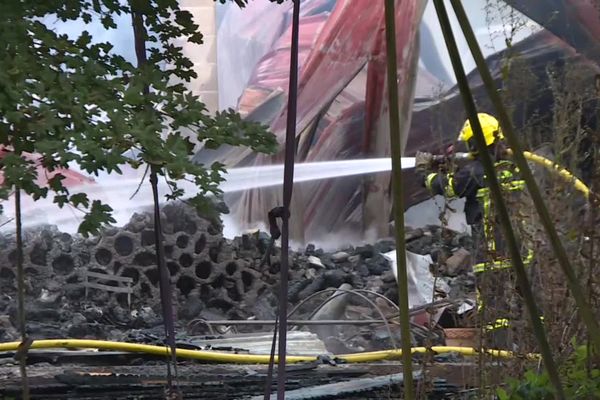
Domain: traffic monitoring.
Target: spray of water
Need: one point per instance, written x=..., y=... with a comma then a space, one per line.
x=239, y=179
x=117, y=190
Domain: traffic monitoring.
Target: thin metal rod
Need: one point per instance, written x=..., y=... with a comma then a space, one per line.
x=166, y=295
x=585, y=311
x=496, y=191
x=288, y=184
x=269, y=379
x=398, y=196
x=332, y=290
x=299, y=322
x=412, y=311
x=140, y=35
x=21, y=296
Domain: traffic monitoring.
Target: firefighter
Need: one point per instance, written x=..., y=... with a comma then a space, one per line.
x=468, y=181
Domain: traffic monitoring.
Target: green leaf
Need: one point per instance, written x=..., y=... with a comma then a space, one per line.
x=55, y=183
x=502, y=394
x=84, y=39
x=196, y=37
x=98, y=216
x=80, y=199
x=61, y=200
x=108, y=21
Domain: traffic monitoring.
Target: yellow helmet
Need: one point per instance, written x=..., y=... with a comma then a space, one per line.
x=489, y=126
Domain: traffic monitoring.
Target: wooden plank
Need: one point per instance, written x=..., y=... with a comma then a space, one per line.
x=108, y=277
x=109, y=288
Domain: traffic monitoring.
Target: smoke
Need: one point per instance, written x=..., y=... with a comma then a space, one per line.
x=232, y=226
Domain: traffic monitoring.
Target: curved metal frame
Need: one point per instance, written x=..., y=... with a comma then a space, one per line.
x=347, y=291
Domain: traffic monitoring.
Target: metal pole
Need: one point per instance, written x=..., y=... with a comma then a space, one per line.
x=585, y=310
x=398, y=196
x=496, y=192
x=140, y=35
x=288, y=184
x=21, y=296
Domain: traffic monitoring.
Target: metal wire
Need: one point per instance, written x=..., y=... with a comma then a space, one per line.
x=412, y=311
x=423, y=331
x=259, y=322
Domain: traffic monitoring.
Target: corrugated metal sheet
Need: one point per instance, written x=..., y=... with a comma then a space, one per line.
x=298, y=343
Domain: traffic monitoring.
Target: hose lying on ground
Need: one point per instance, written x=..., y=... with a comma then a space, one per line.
x=220, y=357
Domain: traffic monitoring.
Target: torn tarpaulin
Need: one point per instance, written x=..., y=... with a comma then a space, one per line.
x=423, y=287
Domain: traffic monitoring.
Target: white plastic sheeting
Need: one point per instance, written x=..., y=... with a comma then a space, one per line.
x=422, y=285
x=244, y=36
x=429, y=211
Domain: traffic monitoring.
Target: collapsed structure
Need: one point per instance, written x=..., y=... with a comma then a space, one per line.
x=219, y=282
x=341, y=111
x=214, y=278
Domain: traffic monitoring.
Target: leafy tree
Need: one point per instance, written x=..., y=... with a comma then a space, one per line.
x=74, y=100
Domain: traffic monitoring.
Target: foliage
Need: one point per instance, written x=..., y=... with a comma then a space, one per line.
x=73, y=100
x=581, y=381
x=242, y=3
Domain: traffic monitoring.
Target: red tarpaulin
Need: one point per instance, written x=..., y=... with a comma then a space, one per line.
x=72, y=178
x=335, y=52
x=342, y=106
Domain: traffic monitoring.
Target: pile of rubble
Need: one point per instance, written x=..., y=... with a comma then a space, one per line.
x=214, y=278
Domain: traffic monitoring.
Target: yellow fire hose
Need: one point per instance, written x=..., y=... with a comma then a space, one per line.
x=546, y=163
x=219, y=357
x=558, y=170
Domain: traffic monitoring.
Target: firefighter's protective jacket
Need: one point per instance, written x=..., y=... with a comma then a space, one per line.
x=464, y=183
x=469, y=182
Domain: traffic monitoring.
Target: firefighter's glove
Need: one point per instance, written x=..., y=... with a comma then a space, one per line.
x=423, y=162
